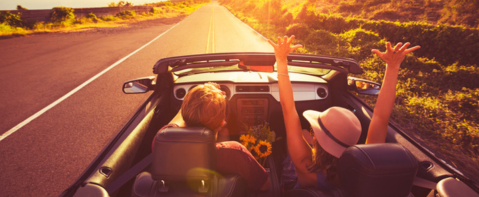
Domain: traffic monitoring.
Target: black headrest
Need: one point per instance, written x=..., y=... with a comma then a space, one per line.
x=183, y=153
x=380, y=170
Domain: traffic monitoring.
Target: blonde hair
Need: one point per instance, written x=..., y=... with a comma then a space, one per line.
x=204, y=105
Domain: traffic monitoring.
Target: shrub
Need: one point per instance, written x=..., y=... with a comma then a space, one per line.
x=386, y=14
x=301, y=31
x=108, y=18
x=332, y=23
x=62, y=14
x=321, y=37
x=360, y=42
x=92, y=17
x=307, y=14
x=159, y=4
x=10, y=19
x=321, y=41
x=4, y=28
x=120, y=4
x=360, y=37
x=126, y=14
x=376, y=2
x=346, y=7
x=288, y=18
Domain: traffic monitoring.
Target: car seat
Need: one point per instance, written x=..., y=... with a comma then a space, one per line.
x=373, y=170
x=184, y=160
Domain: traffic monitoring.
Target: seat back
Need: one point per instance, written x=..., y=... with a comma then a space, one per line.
x=184, y=154
x=183, y=164
x=386, y=169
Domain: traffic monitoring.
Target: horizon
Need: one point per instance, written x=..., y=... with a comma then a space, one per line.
x=49, y=4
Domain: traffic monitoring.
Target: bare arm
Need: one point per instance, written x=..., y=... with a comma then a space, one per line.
x=299, y=150
x=385, y=102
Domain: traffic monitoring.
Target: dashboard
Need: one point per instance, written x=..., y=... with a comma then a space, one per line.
x=305, y=87
x=253, y=97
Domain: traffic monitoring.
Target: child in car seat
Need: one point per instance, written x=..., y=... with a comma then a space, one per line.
x=334, y=129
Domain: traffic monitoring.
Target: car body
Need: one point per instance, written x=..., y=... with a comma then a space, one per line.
x=251, y=86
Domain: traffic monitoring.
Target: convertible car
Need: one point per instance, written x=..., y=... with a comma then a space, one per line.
x=182, y=162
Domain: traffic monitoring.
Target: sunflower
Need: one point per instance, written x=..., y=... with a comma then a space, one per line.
x=247, y=140
x=263, y=149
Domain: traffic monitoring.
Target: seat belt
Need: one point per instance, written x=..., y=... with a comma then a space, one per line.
x=424, y=183
x=128, y=175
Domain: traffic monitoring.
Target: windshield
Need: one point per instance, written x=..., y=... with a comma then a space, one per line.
x=293, y=69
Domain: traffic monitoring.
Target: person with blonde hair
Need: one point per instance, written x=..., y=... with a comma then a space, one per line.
x=336, y=128
x=205, y=106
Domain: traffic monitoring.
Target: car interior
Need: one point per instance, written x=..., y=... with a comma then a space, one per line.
x=251, y=104
x=183, y=159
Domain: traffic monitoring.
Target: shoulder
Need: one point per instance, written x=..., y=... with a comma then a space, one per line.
x=168, y=126
x=231, y=146
x=233, y=150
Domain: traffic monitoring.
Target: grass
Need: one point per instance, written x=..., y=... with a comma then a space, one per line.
x=437, y=93
x=168, y=10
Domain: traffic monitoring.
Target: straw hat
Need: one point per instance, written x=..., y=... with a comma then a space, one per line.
x=335, y=129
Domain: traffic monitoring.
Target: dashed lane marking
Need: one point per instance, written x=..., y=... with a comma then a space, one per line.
x=211, y=33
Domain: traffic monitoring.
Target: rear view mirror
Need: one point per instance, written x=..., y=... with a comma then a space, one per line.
x=363, y=86
x=141, y=85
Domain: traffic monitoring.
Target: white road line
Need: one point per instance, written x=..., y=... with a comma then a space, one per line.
x=39, y=113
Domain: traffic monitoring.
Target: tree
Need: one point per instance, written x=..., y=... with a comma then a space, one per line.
x=19, y=7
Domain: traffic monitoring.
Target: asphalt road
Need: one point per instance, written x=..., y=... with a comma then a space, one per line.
x=48, y=154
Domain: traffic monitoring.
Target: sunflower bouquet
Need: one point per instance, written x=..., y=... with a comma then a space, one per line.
x=259, y=141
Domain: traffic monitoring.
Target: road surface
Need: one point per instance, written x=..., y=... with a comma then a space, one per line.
x=46, y=155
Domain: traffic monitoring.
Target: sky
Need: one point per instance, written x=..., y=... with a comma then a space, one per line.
x=48, y=4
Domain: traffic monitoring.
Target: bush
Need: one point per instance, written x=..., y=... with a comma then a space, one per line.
x=126, y=14
x=322, y=42
x=360, y=42
x=92, y=17
x=307, y=14
x=10, y=19
x=108, y=18
x=333, y=23
x=321, y=37
x=120, y=4
x=346, y=7
x=62, y=14
x=387, y=14
x=360, y=37
x=446, y=44
x=288, y=18
x=299, y=30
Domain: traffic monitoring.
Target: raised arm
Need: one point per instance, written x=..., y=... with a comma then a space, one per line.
x=298, y=149
x=385, y=102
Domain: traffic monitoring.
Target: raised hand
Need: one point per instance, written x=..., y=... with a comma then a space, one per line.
x=283, y=48
x=384, y=105
x=394, y=56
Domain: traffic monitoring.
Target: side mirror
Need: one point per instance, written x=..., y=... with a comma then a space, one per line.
x=363, y=86
x=140, y=85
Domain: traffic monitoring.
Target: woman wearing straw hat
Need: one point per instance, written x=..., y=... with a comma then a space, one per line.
x=336, y=128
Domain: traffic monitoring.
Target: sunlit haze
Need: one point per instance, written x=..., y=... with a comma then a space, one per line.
x=48, y=4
